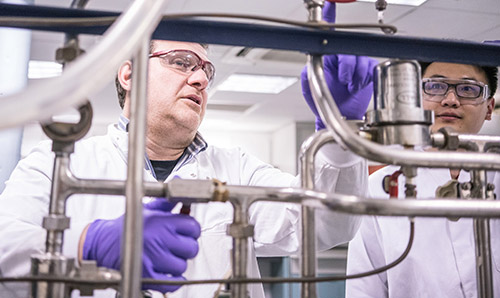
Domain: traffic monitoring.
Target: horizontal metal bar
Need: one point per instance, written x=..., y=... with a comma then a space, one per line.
x=307, y=40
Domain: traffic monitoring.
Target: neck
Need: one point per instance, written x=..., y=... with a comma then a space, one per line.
x=166, y=148
x=454, y=174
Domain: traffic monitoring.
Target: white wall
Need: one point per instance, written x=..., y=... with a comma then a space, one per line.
x=283, y=149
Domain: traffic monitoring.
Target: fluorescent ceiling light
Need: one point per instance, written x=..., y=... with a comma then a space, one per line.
x=256, y=83
x=400, y=2
x=43, y=69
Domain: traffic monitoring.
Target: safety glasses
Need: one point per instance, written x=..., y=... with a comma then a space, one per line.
x=468, y=92
x=185, y=61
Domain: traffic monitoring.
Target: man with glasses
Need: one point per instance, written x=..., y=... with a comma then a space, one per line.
x=441, y=262
x=178, y=78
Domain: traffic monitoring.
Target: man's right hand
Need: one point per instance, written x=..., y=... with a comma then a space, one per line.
x=169, y=240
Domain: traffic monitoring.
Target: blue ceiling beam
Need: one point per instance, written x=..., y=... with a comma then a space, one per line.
x=292, y=38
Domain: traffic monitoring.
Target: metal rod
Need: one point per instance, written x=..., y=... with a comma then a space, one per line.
x=131, y=268
x=482, y=239
x=52, y=262
x=307, y=153
x=373, y=151
x=57, y=204
x=431, y=207
x=240, y=246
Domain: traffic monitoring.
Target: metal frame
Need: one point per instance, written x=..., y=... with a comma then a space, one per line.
x=297, y=39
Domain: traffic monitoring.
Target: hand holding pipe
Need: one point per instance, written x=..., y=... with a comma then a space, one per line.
x=372, y=151
x=349, y=79
x=169, y=240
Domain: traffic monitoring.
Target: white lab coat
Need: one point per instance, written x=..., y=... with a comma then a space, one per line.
x=25, y=201
x=441, y=262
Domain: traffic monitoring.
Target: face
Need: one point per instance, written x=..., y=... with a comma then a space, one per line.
x=449, y=112
x=176, y=100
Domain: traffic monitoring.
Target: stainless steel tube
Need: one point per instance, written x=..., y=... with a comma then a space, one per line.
x=90, y=72
x=131, y=268
x=57, y=204
x=482, y=238
x=239, y=231
x=431, y=207
x=308, y=252
x=483, y=258
x=52, y=262
x=372, y=151
x=308, y=249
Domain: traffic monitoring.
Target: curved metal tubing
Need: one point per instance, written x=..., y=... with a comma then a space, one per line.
x=90, y=72
x=373, y=151
x=307, y=153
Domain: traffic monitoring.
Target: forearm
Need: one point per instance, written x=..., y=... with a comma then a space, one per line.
x=81, y=242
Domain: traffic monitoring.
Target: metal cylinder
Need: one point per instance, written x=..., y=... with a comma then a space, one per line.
x=53, y=265
x=398, y=116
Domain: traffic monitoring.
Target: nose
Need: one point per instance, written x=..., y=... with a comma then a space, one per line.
x=450, y=99
x=198, y=79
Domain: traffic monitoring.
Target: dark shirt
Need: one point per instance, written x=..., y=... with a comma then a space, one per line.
x=163, y=168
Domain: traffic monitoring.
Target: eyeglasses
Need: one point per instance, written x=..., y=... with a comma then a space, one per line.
x=468, y=91
x=185, y=61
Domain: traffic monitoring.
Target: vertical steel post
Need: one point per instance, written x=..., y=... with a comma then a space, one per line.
x=482, y=238
x=240, y=251
x=308, y=250
x=131, y=268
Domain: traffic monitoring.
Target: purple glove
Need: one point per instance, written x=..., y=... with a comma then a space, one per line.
x=348, y=77
x=169, y=239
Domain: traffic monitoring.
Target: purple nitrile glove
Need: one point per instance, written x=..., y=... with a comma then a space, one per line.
x=349, y=78
x=169, y=240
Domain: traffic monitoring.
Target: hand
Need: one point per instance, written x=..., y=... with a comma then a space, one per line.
x=169, y=240
x=349, y=79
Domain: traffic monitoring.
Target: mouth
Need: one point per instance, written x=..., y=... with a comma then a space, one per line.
x=194, y=98
x=448, y=116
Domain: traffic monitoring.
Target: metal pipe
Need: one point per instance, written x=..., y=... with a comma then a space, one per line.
x=52, y=262
x=131, y=268
x=89, y=72
x=57, y=205
x=372, y=151
x=482, y=239
x=431, y=207
x=308, y=252
x=240, y=249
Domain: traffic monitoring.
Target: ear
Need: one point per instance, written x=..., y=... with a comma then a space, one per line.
x=125, y=75
x=491, y=107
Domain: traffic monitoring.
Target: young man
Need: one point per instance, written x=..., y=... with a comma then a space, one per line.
x=442, y=261
x=179, y=74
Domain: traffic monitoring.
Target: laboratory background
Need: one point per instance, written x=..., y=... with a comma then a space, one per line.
x=256, y=101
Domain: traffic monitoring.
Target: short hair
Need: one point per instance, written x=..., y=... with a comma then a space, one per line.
x=122, y=92
x=491, y=73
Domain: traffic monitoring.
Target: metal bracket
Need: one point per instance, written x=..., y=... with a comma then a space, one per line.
x=240, y=230
x=65, y=135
